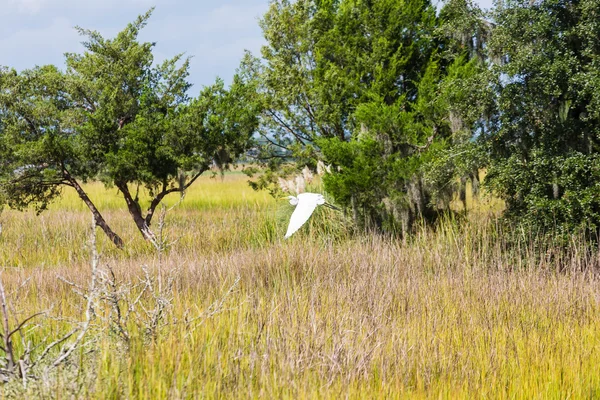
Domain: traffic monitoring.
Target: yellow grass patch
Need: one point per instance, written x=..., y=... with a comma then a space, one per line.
x=448, y=313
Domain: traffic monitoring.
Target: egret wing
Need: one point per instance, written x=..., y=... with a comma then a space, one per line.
x=303, y=211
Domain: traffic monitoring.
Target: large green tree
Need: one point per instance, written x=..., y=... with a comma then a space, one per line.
x=544, y=149
x=118, y=116
x=364, y=85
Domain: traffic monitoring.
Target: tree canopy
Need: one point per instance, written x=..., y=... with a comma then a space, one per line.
x=544, y=147
x=365, y=86
x=117, y=115
x=408, y=104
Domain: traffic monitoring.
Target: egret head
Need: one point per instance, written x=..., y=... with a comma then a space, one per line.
x=293, y=200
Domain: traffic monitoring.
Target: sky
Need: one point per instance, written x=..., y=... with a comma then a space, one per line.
x=215, y=33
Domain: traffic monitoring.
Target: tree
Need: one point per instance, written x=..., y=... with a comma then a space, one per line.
x=467, y=96
x=360, y=85
x=544, y=148
x=116, y=116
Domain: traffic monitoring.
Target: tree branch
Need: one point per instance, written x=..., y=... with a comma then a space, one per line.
x=425, y=146
x=31, y=124
x=18, y=328
x=95, y=212
x=274, y=143
x=91, y=105
x=311, y=114
x=287, y=127
x=159, y=197
x=7, y=342
x=52, y=345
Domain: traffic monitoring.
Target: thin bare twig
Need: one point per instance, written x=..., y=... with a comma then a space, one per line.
x=7, y=341
x=66, y=352
x=53, y=345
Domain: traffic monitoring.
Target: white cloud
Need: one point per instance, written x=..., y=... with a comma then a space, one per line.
x=216, y=39
x=25, y=6
x=34, y=7
x=226, y=20
x=40, y=45
x=216, y=35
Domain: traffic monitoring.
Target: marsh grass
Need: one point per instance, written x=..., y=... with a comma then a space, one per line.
x=452, y=312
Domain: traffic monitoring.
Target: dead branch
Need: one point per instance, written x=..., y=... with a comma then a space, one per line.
x=89, y=311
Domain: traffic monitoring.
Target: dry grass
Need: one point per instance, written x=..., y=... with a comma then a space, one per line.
x=450, y=313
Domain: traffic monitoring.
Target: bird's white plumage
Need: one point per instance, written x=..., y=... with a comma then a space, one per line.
x=306, y=204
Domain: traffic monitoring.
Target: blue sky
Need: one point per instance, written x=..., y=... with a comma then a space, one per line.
x=215, y=33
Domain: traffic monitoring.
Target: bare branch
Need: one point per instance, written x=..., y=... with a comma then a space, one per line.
x=282, y=123
x=20, y=326
x=52, y=345
x=7, y=342
x=66, y=352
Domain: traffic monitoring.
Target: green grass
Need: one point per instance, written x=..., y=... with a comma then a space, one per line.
x=210, y=192
x=449, y=313
x=202, y=222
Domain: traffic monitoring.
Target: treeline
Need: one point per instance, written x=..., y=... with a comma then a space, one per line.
x=406, y=102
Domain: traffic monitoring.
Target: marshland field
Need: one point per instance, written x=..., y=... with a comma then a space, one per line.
x=227, y=308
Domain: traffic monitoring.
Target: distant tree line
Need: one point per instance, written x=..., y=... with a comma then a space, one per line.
x=406, y=102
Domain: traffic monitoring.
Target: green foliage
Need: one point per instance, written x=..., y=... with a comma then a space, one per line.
x=407, y=105
x=116, y=115
x=544, y=148
x=358, y=160
x=360, y=85
x=220, y=122
x=35, y=135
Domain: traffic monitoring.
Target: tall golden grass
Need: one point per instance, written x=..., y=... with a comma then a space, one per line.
x=453, y=312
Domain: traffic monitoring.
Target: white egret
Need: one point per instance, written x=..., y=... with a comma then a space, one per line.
x=305, y=205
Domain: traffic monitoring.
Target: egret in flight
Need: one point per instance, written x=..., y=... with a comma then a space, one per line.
x=305, y=205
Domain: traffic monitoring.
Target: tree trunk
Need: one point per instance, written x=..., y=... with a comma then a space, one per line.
x=97, y=216
x=462, y=192
x=136, y=212
x=155, y=202
x=475, y=183
x=354, y=209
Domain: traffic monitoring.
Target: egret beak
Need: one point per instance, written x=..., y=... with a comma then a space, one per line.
x=332, y=207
